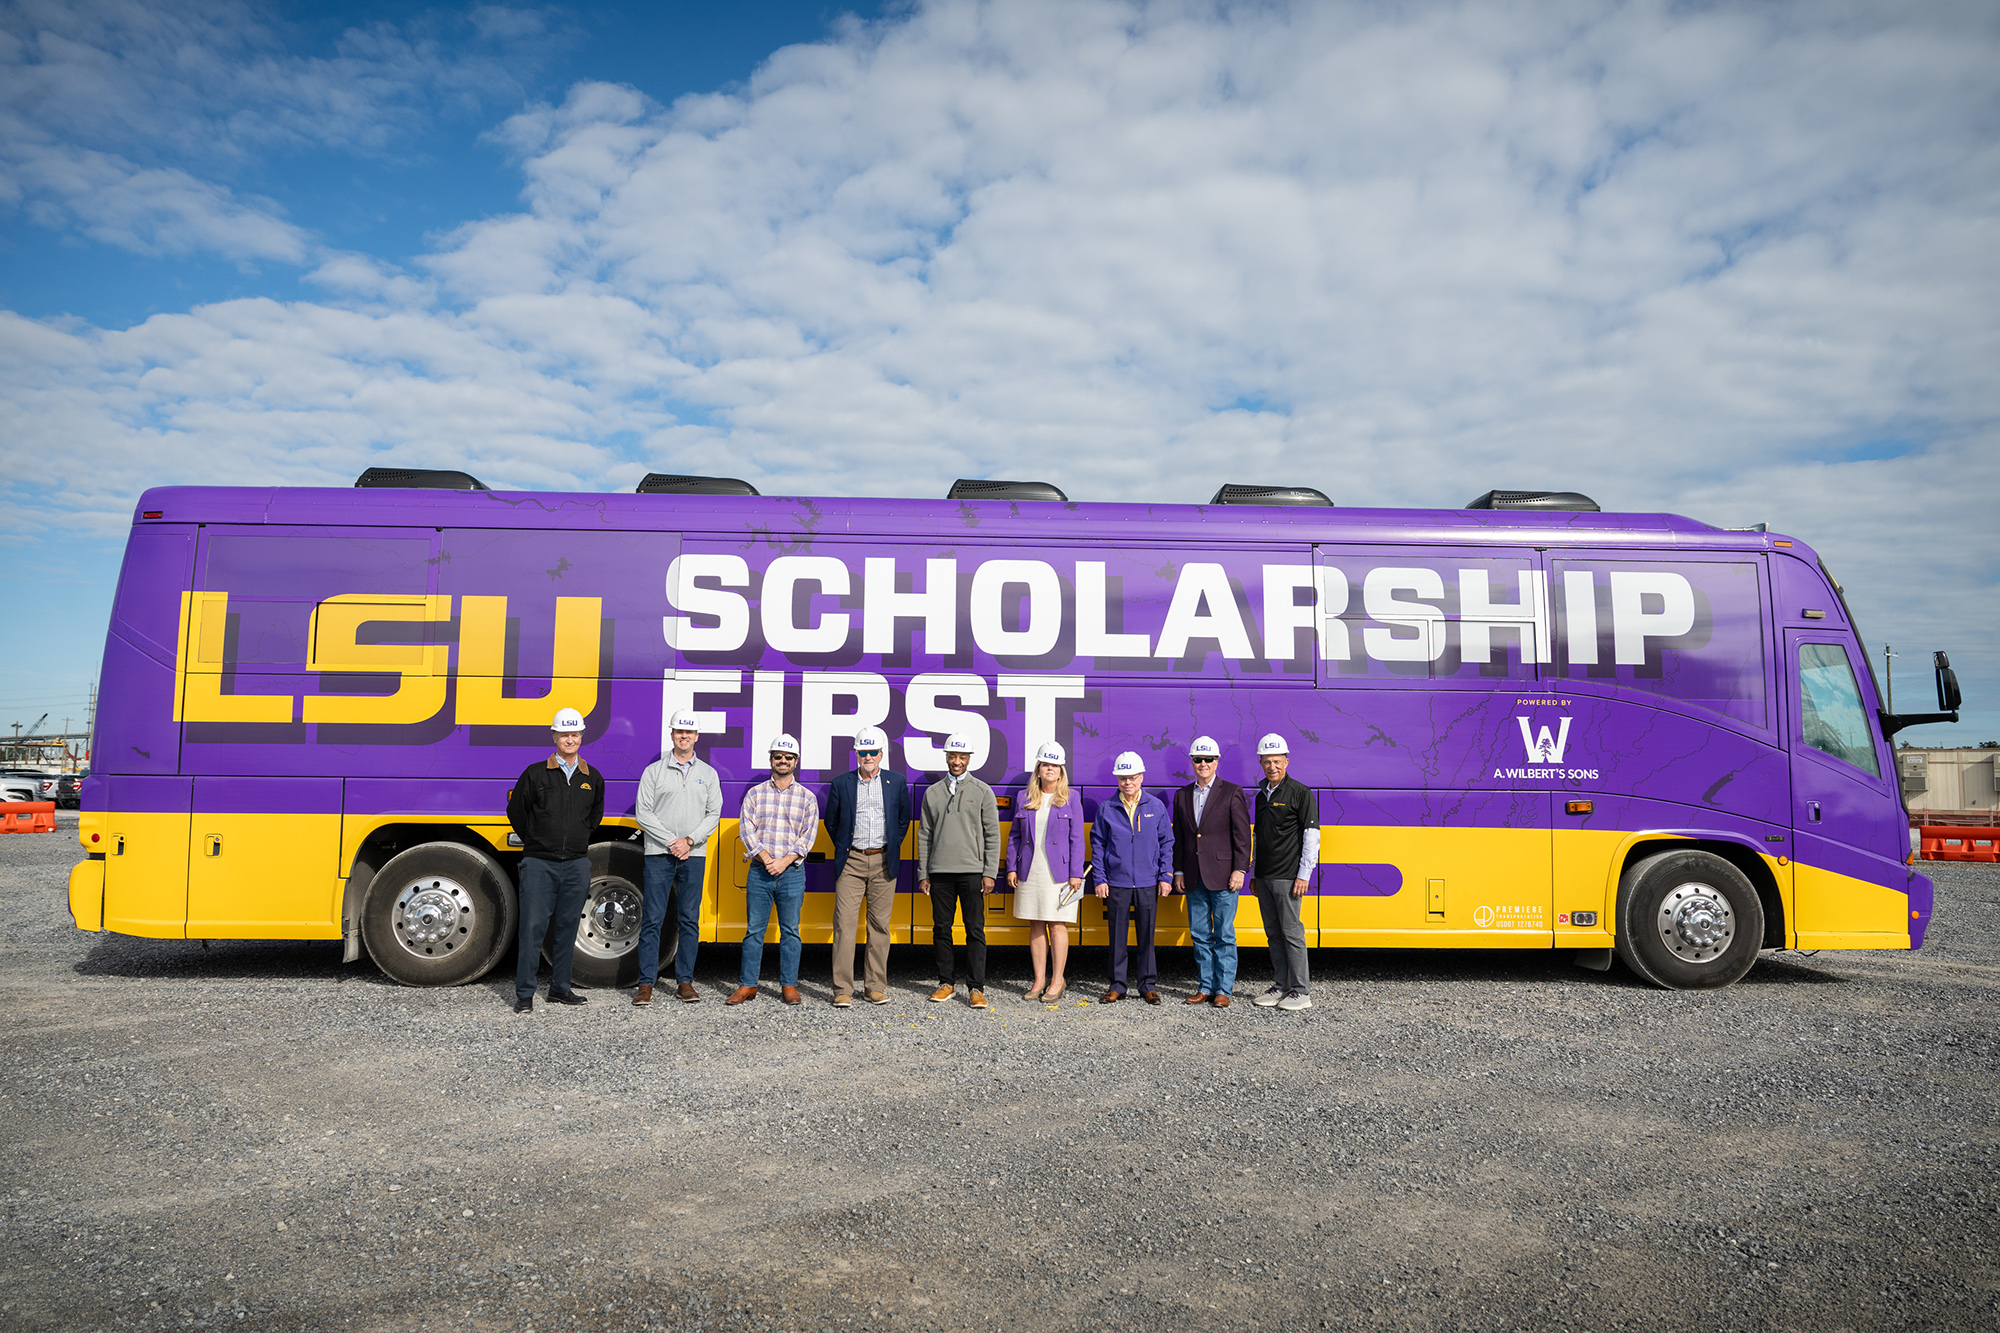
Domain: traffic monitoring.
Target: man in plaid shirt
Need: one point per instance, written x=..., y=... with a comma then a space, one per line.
x=778, y=826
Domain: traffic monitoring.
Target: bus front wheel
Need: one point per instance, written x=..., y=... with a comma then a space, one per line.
x=438, y=914
x=1688, y=920
x=607, y=938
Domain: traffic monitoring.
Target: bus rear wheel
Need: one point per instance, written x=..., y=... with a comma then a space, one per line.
x=438, y=914
x=1688, y=920
x=607, y=937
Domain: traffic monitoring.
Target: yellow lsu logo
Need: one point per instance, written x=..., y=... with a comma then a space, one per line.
x=424, y=670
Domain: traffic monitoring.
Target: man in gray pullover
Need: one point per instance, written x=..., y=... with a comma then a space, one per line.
x=958, y=854
x=679, y=808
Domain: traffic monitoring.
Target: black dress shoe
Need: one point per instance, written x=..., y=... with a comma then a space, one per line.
x=525, y=1005
x=567, y=997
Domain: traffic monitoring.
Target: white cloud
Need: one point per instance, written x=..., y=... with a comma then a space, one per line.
x=125, y=121
x=1677, y=258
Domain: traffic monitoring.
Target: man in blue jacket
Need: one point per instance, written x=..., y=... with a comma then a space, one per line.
x=867, y=815
x=1132, y=844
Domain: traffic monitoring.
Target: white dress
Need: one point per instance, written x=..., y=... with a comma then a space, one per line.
x=1039, y=893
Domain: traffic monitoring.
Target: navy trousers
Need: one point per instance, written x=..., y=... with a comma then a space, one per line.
x=1139, y=906
x=550, y=891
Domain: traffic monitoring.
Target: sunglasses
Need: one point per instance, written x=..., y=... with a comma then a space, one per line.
x=866, y=754
x=787, y=758
x=1205, y=759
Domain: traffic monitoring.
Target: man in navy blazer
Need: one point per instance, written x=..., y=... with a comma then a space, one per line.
x=867, y=816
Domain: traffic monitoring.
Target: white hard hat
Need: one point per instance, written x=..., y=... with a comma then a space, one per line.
x=1204, y=747
x=870, y=738
x=1051, y=753
x=783, y=744
x=960, y=744
x=684, y=721
x=1272, y=744
x=1128, y=764
x=567, y=719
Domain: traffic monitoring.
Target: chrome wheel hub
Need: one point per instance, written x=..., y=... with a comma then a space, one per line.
x=1696, y=923
x=611, y=917
x=433, y=916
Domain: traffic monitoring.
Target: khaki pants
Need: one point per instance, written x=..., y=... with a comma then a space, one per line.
x=861, y=877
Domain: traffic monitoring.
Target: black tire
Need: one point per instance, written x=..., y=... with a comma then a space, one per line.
x=607, y=936
x=439, y=914
x=1688, y=920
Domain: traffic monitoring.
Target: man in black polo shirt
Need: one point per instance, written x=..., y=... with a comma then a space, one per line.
x=554, y=806
x=1287, y=831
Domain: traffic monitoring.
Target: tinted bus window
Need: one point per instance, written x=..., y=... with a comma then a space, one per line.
x=1687, y=630
x=1830, y=707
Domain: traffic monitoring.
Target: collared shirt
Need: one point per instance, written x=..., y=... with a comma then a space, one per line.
x=870, y=823
x=783, y=822
x=1201, y=791
x=568, y=766
x=684, y=765
x=1309, y=833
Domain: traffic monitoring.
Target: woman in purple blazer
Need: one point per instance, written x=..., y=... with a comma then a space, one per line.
x=1045, y=863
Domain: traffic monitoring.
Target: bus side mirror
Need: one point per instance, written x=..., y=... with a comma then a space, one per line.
x=1949, y=697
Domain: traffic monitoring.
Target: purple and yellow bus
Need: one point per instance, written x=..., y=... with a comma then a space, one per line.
x=1537, y=727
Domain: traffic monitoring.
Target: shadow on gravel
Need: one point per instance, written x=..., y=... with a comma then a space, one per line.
x=222, y=960
x=1775, y=971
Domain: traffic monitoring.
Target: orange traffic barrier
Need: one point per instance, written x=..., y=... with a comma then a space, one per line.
x=1958, y=842
x=27, y=817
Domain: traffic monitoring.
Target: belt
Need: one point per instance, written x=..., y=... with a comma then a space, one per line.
x=866, y=851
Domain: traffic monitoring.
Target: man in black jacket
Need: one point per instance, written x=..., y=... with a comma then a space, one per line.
x=555, y=805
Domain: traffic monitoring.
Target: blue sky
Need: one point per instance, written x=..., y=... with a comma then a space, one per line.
x=1739, y=263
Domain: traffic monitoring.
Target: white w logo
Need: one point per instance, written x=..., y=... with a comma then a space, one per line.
x=1545, y=749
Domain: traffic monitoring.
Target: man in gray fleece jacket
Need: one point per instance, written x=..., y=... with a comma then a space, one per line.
x=679, y=808
x=958, y=855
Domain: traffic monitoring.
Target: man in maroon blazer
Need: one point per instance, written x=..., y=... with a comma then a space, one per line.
x=1211, y=859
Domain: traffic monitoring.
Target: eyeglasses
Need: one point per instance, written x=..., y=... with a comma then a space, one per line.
x=867, y=754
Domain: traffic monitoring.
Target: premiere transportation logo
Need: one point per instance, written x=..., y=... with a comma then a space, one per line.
x=1545, y=747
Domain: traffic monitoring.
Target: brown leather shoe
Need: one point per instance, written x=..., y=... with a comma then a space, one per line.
x=688, y=993
x=875, y=997
x=977, y=999
x=741, y=995
x=1222, y=1001
x=642, y=997
x=1112, y=997
x=943, y=993
x=1202, y=997
x=843, y=1001
x=790, y=995
x=1151, y=997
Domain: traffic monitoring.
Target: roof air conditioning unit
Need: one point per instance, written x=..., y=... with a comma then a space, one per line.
x=1003, y=490
x=671, y=483
x=1570, y=500
x=419, y=479
x=1231, y=494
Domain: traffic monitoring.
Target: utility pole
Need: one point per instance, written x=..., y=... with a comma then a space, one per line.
x=1889, y=675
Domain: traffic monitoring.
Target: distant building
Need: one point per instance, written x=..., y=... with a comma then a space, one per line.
x=1950, y=786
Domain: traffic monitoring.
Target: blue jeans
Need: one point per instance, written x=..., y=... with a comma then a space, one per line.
x=551, y=891
x=1212, y=922
x=668, y=876
x=788, y=893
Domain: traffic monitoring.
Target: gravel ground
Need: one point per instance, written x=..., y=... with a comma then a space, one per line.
x=256, y=1136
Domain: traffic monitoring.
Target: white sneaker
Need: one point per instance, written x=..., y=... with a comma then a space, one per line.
x=1298, y=999
x=1269, y=998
